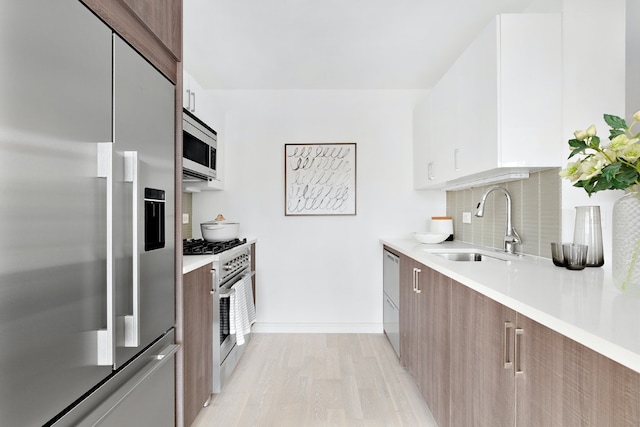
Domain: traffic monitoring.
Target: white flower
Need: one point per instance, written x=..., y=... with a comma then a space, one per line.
x=571, y=172
x=619, y=142
x=631, y=152
x=580, y=135
x=636, y=116
x=591, y=130
x=591, y=167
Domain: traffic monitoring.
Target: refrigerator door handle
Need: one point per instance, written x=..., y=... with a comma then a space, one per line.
x=132, y=321
x=106, y=337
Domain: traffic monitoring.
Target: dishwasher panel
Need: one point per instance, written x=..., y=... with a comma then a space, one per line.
x=391, y=315
x=391, y=297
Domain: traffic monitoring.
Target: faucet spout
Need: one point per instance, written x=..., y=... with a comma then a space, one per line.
x=511, y=236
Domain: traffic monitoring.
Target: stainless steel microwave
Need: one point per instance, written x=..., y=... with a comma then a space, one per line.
x=199, y=144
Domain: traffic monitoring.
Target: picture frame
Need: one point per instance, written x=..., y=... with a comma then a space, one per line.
x=320, y=178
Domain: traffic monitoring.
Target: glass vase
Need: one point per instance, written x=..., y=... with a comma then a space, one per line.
x=626, y=243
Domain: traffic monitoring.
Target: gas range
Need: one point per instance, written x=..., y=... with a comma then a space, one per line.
x=203, y=247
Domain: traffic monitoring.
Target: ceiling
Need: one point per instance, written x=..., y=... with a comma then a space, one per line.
x=330, y=44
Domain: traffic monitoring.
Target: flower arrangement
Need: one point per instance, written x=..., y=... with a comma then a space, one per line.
x=611, y=167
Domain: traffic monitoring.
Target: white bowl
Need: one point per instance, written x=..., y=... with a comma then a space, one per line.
x=430, y=237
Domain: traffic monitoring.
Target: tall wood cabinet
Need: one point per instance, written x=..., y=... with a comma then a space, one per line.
x=479, y=363
x=197, y=341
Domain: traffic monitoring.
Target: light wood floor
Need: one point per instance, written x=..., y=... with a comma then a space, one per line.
x=302, y=380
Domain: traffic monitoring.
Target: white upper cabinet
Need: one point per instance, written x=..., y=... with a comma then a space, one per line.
x=498, y=108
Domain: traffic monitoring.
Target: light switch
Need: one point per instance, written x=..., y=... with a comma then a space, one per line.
x=466, y=217
x=185, y=218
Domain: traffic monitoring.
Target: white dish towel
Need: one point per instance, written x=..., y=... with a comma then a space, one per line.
x=242, y=309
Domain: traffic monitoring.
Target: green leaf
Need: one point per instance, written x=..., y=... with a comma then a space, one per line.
x=615, y=122
x=578, y=147
x=574, y=143
x=615, y=132
x=609, y=172
x=602, y=184
x=595, y=142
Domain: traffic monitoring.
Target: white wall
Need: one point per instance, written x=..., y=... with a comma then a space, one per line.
x=319, y=273
x=593, y=84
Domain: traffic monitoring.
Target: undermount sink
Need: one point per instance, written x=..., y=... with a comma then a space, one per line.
x=466, y=256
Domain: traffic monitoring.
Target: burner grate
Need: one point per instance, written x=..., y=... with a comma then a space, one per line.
x=202, y=247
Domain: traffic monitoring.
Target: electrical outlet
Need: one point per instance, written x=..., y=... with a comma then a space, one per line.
x=185, y=218
x=466, y=217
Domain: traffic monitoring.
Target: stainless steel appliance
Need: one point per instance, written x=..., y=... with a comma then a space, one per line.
x=87, y=131
x=231, y=267
x=391, y=294
x=199, y=149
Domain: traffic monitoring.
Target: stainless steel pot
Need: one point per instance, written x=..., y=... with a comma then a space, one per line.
x=219, y=231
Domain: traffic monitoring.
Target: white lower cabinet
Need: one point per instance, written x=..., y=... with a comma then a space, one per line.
x=479, y=363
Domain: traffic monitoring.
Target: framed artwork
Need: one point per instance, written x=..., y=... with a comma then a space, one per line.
x=320, y=179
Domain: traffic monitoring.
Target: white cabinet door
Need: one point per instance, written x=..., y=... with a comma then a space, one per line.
x=192, y=93
x=530, y=90
x=422, y=157
x=499, y=105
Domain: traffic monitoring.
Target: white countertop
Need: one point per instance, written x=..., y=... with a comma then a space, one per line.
x=582, y=305
x=193, y=262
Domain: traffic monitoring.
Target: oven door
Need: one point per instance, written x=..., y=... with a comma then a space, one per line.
x=243, y=318
x=227, y=340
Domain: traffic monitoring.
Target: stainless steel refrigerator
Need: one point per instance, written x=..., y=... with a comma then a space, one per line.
x=87, y=130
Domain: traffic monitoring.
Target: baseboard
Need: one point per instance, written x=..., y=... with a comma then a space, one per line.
x=318, y=328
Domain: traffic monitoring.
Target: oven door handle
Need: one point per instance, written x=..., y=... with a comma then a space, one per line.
x=214, y=282
x=226, y=293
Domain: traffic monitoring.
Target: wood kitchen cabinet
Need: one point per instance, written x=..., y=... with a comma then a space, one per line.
x=409, y=315
x=498, y=106
x=482, y=390
x=478, y=362
x=424, y=333
x=507, y=369
x=564, y=383
x=154, y=28
x=197, y=342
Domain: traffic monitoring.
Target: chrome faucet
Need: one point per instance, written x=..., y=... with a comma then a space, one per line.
x=511, y=237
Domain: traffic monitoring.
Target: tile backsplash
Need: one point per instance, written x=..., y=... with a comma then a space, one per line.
x=187, y=208
x=536, y=211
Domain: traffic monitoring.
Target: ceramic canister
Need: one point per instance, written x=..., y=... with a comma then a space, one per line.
x=442, y=224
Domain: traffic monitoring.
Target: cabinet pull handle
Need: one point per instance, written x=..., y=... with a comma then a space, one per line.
x=517, y=360
x=193, y=94
x=188, y=99
x=455, y=158
x=430, y=176
x=416, y=272
x=506, y=360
